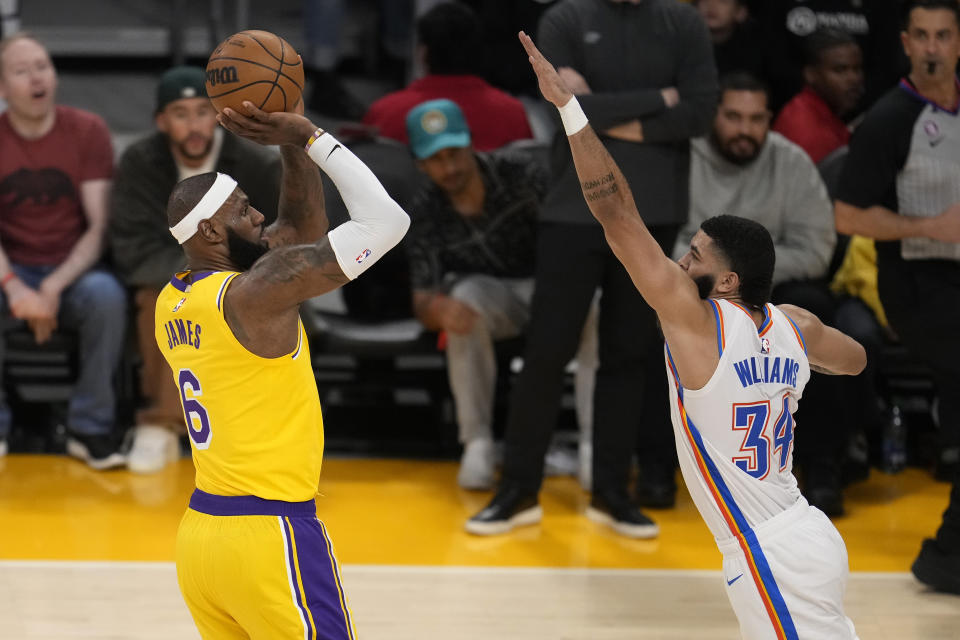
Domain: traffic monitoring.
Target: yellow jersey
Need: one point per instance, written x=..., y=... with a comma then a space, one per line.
x=254, y=423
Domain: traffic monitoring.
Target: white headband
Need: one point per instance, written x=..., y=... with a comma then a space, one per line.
x=212, y=200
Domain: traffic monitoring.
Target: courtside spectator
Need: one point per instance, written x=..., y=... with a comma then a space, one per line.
x=472, y=248
x=815, y=117
x=56, y=166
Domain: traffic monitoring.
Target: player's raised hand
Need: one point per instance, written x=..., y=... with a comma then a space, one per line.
x=279, y=127
x=551, y=85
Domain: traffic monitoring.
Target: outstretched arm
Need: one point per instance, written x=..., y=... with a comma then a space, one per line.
x=660, y=280
x=828, y=350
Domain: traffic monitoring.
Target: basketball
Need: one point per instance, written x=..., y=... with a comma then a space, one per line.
x=258, y=66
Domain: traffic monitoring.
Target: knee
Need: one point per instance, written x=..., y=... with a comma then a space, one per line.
x=101, y=293
x=470, y=291
x=477, y=337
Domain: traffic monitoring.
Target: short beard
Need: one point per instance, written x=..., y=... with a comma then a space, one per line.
x=740, y=161
x=196, y=156
x=244, y=253
x=705, y=285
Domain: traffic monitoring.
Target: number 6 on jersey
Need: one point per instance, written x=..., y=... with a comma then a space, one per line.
x=198, y=422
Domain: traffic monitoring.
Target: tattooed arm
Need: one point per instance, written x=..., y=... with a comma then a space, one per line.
x=301, y=216
x=660, y=280
x=262, y=305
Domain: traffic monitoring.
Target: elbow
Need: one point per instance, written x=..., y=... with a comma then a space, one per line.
x=395, y=226
x=403, y=221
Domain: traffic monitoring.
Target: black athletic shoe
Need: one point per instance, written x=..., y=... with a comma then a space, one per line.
x=936, y=569
x=657, y=485
x=624, y=517
x=99, y=452
x=509, y=508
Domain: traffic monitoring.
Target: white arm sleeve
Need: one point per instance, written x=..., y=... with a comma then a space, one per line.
x=377, y=223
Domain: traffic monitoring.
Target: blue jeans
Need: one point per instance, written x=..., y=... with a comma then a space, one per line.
x=95, y=307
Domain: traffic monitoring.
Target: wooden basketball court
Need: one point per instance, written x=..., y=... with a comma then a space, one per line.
x=89, y=555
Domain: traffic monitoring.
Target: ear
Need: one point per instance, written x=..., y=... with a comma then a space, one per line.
x=728, y=282
x=161, y=121
x=741, y=14
x=211, y=232
x=809, y=74
x=904, y=40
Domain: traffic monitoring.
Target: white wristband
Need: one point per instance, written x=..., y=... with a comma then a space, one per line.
x=572, y=116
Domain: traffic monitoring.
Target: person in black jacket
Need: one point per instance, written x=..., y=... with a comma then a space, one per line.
x=187, y=142
x=645, y=77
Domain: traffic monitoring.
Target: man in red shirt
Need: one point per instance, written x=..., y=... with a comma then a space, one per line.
x=55, y=173
x=451, y=43
x=813, y=119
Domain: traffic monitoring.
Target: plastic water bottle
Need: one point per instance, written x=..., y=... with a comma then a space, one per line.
x=894, y=442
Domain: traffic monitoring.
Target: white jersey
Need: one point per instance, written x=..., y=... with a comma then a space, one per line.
x=735, y=444
x=735, y=434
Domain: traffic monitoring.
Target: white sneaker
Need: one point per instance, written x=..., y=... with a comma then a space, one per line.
x=3, y=448
x=153, y=448
x=476, y=465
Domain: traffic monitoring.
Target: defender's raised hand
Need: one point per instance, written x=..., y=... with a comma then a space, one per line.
x=551, y=85
x=259, y=126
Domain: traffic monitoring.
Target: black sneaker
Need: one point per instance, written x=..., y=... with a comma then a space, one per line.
x=936, y=569
x=509, y=508
x=620, y=514
x=99, y=452
x=657, y=485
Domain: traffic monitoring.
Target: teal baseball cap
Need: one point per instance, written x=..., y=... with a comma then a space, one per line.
x=436, y=125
